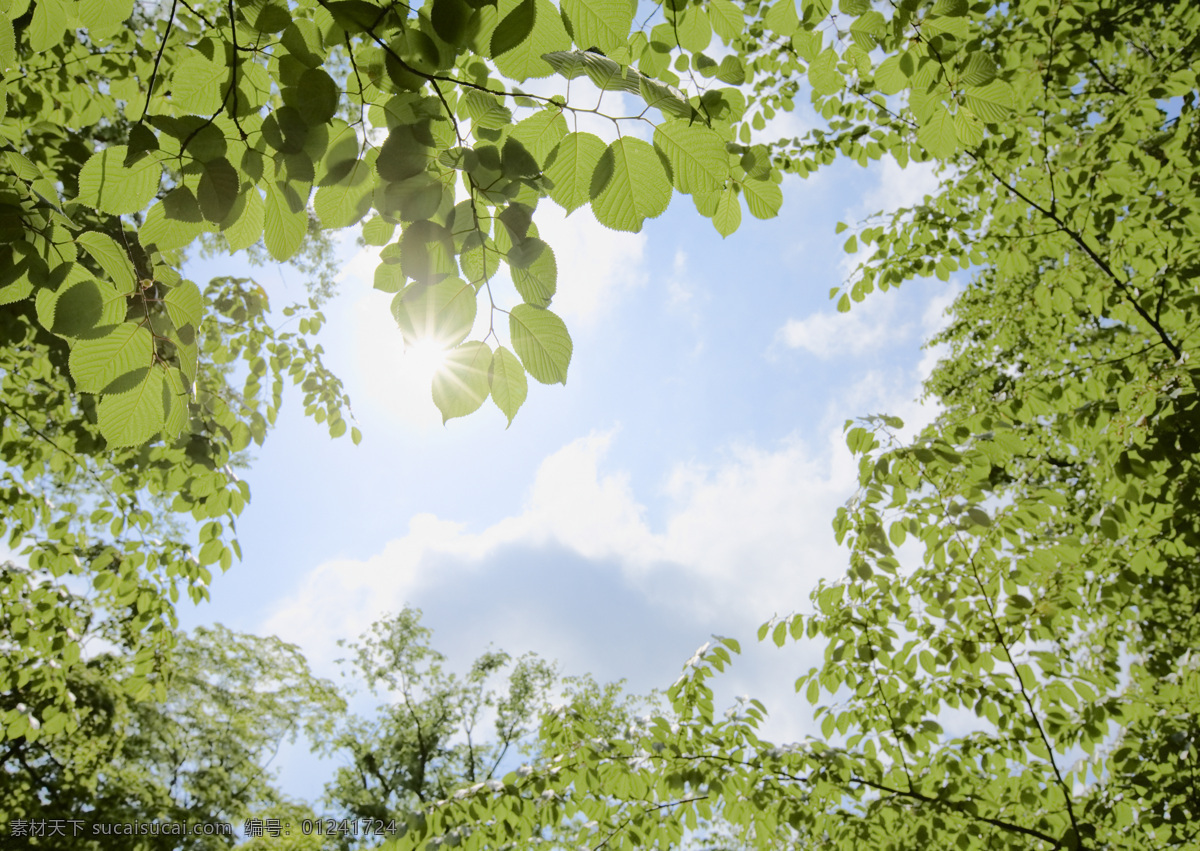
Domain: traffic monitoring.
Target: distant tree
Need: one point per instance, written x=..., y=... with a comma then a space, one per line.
x=446, y=736
x=200, y=757
x=432, y=735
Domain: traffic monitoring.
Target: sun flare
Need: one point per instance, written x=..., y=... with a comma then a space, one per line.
x=424, y=357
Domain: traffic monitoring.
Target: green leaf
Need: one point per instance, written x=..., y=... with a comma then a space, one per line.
x=18, y=276
x=135, y=416
x=823, y=74
x=172, y=222
x=782, y=19
x=937, y=135
x=248, y=229
x=951, y=8
x=486, y=110
x=443, y=312
x=763, y=198
x=427, y=252
x=727, y=19
x=534, y=271
x=967, y=127
x=728, y=213
x=890, y=77
x=49, y=21
x=86, y=305
x=460, y=384
x=524, y=60
x=97, y=363
x=108, y=185
x=218, y=189
x=693, y=29
x=402, y=155
x=637, y=190
x=377, y=231
x=185, y=305
x=868, y=29
x=479, y=257
x=815, y=11
x=8, y=44
x=283, y=228
x=541, y=132
x=506, y=379
x=112, y=258
x=196, y=84
x=341, y=204
x=993, y=102
x=980, y=69
x=571, y=168
x=175, y=403
x=453, y=21
x=607, y=75
x=318, y=97
x=541, y=340
x=514, y=28
x=104, y=18
x=600, y=23
x=699, y=162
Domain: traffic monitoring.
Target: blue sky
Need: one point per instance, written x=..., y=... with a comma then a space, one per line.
x=681, y=484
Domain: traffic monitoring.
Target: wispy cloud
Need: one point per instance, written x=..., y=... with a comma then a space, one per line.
x=828, y=334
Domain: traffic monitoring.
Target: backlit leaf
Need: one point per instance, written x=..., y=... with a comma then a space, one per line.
x=185, y=305
x=514, y=28
x=108, y=185
x=97, y=362
x=283, y=228
x=763, y=198
x=937, y=135
x=534, y=272
x=637, y=190
x=460, y=384
x=697, y=155
x=196, y=84
x=993, y=102
x=136, y=415
x=541, y=340
x=823, y=74
x=524, y=59
x=571, y=168
x=443, y=312
x=541, y=132
x=112, y=258
x=600, y=23
x=506, y=378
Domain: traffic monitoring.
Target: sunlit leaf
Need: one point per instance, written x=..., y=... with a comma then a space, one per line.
x=541, y=341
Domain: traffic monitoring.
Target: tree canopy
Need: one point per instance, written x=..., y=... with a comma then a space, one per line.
x=1010, y=659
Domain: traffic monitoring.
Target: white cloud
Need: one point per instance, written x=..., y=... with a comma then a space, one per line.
x=865, y=327
x=870, y=323
x=580, y=575
x=898, y=187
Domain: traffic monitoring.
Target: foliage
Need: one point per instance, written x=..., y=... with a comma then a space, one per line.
x=198, y=758
x=1045, y=610
x=1009, y=662
x=426, y=741
x=238, y=120
x=87, y=502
